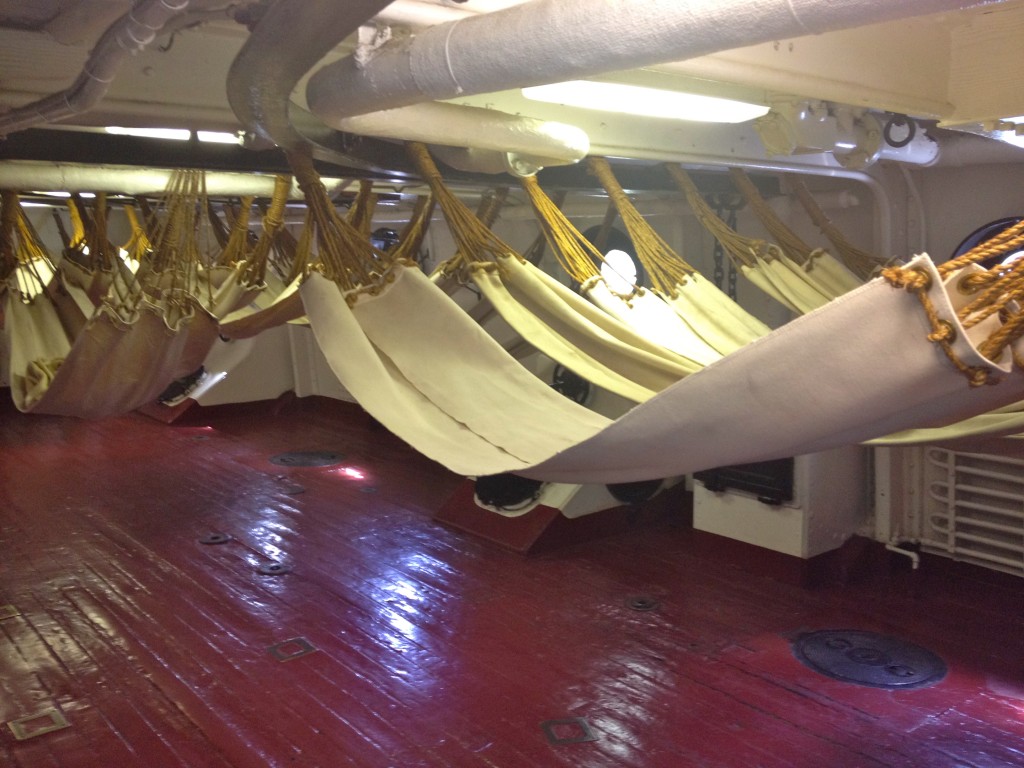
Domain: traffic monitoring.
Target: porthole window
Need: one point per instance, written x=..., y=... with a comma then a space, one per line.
x=985, y=233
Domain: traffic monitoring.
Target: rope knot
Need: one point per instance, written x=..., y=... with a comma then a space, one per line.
x=909, y=279
x=944, y=332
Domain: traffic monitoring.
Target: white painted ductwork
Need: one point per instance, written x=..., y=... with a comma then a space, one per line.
x=552, y=40
x=25, y=175
x=131, y=33
x=523, y=143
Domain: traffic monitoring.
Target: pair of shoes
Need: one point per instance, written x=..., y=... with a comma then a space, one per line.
x=179, y=390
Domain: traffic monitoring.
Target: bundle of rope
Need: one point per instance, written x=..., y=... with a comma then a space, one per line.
x=761, y=262
x=821, y=268
x=185, y=257
x=719, y=321
x=863, y=264
x=644, y=311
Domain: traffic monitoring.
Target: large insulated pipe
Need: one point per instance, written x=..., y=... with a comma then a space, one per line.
x=551, y=40
x=290, y=38
x=131, y=33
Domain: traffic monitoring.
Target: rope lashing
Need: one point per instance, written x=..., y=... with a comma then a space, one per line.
x=666, y=268
x=860, y=262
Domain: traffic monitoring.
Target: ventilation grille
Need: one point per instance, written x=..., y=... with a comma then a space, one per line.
x=974, y=509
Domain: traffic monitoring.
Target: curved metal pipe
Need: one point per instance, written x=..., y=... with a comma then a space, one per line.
x=290, y=38
x=131, y=33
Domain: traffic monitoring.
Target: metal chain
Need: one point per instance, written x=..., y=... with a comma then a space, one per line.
x=731, y=286
x=718, y=252
x=725, y=207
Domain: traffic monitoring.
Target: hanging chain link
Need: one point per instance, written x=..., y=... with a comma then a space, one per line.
x=725, y=206
x=718, y=252
x=731, y=285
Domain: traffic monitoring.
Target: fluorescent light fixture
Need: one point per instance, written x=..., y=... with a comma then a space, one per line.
x=648, y=102
x=84, y=195
x=173, y=134
x=218, y=137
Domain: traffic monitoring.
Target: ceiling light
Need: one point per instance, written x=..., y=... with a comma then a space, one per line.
x=174, y=134
x=218, y=137
x=648, y=102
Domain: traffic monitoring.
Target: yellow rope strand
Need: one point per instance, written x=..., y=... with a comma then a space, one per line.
x=743, y=251
x=665, y=267
x=346, y=256
x=415, y=231
x=789, y=240
x=860, y=262
x=9, y=212
x=475, y=243
x=576, y=255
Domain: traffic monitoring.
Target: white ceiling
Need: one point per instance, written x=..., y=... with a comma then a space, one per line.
x=962, y=69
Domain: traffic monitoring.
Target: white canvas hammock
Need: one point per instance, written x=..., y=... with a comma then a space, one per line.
x=553, y=319
x=890, y=355
x=715, y=318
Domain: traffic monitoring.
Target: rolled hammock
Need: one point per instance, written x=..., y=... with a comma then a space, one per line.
x=890, y=355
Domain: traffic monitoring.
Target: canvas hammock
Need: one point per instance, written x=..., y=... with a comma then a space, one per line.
x=121, y=355
x=555, y=320
x=832, y=275
x=761, y=262
x=722, y=324
x=890, y=355
x=821, y=268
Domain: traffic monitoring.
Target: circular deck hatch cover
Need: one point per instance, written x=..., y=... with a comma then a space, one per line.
x=307, y=458
x=866, y=658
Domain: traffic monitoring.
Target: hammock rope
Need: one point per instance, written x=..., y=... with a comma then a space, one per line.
x=744, y=251
x=828, y=274
x=345, y=255
x=997, y=293
x=787, y=239
x=666, y=269
x=863, y=264
x=574, y=253
x=719, y=323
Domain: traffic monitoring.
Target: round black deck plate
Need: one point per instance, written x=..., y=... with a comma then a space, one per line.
x=307, y=459
x=867, y=658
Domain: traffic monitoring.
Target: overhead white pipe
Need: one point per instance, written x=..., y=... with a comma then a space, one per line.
x=130, y=34
x=551, y=40
x=524, y=140
x=38, y=176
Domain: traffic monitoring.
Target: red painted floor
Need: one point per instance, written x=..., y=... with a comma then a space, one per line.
x=400, y=642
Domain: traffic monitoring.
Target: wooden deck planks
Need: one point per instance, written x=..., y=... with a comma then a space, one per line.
x=432, y=648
